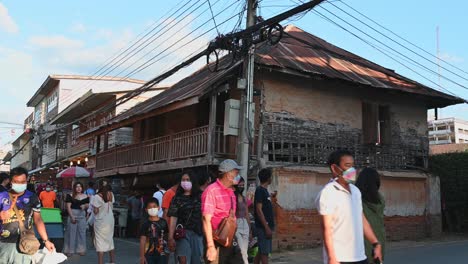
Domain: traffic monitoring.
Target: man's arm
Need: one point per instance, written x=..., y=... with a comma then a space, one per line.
x=326, y=223
x=261, y=217
x=41, y=230
x=208, y=231
x=142, y=249
x=370, y=236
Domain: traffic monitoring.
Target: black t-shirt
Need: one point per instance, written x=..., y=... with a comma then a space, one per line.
x=2, y=188
x=75, y=203
x=187, y=209
x=153, y=231
x=262, y=196
x=26, y=204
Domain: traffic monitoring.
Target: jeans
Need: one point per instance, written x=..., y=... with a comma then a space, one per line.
x=156, y=259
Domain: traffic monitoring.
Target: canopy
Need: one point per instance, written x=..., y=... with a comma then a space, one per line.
x=78, y=172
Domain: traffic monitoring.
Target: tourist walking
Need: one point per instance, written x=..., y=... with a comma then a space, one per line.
x=343, y=222
x=373, y=205
x=75, y=233
x=242, y=215
x=104, y=223
x=264, y=219
x=185, y=230
x=153, y=235
x=27, y=205
x=218, y=203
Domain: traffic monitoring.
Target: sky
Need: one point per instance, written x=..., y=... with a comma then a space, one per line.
x=38, y=38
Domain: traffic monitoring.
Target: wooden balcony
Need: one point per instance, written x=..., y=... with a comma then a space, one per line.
x=184, y=149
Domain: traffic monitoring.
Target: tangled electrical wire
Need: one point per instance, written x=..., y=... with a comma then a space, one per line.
x=236, y=47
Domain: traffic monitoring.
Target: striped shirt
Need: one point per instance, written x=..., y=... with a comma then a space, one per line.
x=217, y=201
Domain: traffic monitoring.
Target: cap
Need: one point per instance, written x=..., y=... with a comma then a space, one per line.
x=229, y=165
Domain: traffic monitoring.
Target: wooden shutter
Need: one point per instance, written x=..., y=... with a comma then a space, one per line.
x=370, y=119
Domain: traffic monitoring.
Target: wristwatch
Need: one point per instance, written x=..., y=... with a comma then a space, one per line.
x=374, y=245
x=45, y=241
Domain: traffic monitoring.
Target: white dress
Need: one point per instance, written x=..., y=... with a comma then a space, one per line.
x=103, y=224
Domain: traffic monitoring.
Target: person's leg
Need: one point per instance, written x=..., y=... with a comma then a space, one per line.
x=242, y=237
x=72, y=230
x=81, y=236
x=112, y=256
x=183, y=249
x=100, y=257
x=264, y=247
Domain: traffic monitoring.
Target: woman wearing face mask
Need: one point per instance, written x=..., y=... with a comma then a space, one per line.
x=242, y=215
x=185, y=213
x=373, y=205
x=75, y=235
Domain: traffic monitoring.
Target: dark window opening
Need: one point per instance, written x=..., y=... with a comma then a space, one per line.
x=376, y=124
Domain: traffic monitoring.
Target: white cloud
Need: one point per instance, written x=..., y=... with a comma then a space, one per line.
x=451, y=58
x=7, y=23
x=78, y=28
x=55, y=42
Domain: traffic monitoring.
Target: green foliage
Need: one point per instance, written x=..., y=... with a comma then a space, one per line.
x=452, y=168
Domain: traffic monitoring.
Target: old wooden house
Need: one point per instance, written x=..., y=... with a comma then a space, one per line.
x=311, y=98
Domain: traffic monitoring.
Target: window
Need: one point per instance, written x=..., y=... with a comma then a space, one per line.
x=376, y=124
x=52, y=101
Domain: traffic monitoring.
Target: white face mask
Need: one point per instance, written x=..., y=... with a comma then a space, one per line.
x=153, y=211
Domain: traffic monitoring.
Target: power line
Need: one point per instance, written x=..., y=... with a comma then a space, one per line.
x=19, y=150
x=393, y=40
x=152, y=38
x=135, y=41
x=446, y=78
x=381, y=51
x=212, y=15
x=402, y=38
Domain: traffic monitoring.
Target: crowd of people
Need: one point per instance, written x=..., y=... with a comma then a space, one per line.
x=202, y=219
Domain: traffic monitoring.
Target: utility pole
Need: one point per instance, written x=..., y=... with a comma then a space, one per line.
x=246, y=119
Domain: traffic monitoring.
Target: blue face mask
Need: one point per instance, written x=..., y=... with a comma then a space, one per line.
x=18, y=188
x=237, y=179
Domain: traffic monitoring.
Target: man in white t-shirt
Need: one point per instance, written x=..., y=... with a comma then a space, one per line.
x=159, y=196
x=343, y=222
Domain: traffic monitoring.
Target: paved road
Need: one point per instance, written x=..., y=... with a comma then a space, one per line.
x=400, y=253
x=436, y=253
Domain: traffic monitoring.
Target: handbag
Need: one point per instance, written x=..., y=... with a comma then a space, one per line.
x=180, y=231
x=28, y=243
x=224, y=235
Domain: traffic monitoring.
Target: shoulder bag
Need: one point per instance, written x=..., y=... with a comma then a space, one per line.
x=224, y=235
x=28, y=243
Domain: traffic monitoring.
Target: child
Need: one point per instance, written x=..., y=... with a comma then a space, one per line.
x=153, y=236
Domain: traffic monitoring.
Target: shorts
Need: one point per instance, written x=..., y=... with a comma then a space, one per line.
x=265, y=246
x=356, y=262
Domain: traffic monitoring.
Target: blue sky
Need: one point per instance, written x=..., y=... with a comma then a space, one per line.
x=64, y=37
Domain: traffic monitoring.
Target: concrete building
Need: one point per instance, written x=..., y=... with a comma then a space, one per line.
x=59, y=98
x=448, y=131
x=310, y=99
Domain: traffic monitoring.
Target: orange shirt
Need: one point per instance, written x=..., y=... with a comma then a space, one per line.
x=47, y=199
x=167, y=198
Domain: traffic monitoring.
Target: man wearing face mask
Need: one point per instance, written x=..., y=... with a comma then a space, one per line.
x=218, y=200
x=343, y=222
x=48, y=197
x=27, y=210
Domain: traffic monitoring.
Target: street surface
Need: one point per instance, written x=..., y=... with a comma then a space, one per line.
x=405, y=252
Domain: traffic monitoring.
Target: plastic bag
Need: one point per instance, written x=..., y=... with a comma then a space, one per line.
x=43, y=256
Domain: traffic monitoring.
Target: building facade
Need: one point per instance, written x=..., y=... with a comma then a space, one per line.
x=448, y=131
x=310, y=98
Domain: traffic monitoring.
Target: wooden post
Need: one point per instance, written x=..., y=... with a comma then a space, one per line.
x=212, y=127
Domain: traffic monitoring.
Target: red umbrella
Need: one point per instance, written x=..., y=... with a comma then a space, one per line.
x=78, y=172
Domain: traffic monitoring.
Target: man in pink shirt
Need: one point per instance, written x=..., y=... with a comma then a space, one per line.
x=217, y=200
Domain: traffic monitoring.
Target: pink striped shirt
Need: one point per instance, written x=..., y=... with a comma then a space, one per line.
x=217, y=200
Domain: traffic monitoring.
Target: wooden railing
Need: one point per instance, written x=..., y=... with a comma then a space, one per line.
x=187, y=144
x=79, y=147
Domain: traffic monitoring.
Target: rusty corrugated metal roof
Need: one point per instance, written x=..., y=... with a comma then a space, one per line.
x=309, y=54
x=318, y=57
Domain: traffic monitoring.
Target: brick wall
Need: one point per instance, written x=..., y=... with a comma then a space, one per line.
x=298, y=224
